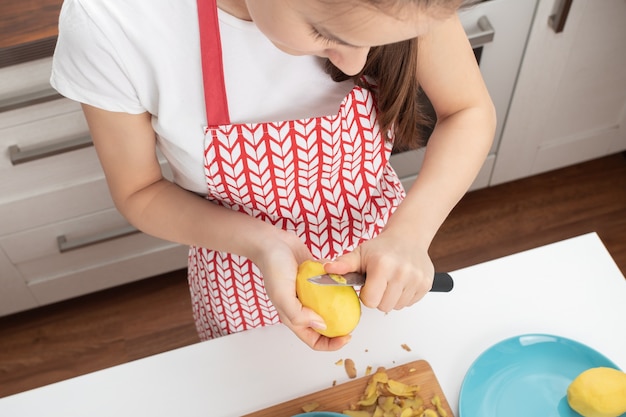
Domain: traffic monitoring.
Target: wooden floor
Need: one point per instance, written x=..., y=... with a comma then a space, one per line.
x=141, y=319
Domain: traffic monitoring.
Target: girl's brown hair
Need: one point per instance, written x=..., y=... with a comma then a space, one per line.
x=403, y=108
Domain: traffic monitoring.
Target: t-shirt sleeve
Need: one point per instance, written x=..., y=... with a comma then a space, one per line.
x=86, y=66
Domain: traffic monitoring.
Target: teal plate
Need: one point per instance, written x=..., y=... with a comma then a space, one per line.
x=525, y=376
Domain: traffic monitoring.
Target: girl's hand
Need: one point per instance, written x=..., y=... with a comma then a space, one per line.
x=398, y=273
x=279, y=265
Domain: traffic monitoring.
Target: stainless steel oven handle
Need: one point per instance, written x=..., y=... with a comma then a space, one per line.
x=19, y=156
x=557, y=20
x=66, y=245
x=484, y=35
x=30, y=99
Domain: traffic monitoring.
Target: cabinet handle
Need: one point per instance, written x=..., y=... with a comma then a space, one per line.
x=29, y=100
x=66, y=245
x=19, y=156
x=485, y=35
x=557, y=20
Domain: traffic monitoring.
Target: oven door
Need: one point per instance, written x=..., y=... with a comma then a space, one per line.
x=498, y=31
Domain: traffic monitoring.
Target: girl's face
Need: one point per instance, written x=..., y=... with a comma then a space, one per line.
x=342, y=31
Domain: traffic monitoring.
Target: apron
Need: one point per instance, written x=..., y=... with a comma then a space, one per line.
x=326, y=179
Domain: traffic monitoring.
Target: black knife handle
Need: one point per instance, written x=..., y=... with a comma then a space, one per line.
x=442, y=282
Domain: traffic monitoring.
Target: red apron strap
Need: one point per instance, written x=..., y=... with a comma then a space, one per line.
x=212, y=66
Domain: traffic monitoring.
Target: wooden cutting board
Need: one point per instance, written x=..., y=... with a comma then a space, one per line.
x=339, y=397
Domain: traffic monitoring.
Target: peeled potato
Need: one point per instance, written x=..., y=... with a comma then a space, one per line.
x=598, y=392
x=339, y=306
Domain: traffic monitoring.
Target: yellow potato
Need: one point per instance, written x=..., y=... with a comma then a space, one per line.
x=339, y=306
x=598, y=392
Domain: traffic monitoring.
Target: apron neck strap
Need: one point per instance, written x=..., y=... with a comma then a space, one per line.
x=212, y=65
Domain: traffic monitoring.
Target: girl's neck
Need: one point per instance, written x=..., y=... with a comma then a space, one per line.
x=235, y=8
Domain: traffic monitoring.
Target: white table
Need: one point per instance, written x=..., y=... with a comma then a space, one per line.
x=571, y=288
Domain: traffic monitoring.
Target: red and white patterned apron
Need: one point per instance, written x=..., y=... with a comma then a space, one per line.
x=327, y=179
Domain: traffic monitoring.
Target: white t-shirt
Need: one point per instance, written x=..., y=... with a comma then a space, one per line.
x=138, y=56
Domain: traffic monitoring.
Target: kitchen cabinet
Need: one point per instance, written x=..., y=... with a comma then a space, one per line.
x=497, y=31
x=560, y=97
x=60, y=234
x=569, y=103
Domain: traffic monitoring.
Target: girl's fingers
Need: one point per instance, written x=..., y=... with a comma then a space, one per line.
x=318, y=342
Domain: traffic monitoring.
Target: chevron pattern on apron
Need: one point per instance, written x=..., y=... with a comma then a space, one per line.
x=326, y=179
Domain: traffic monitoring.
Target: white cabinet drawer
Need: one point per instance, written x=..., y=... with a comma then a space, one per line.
x=41, y=242
x=38, y=113
x=62, y=202
x=38, y=127
x=48, y=175
x=25, y=79
x=14, y=293
x=121, y=271
x=21, y=134
x=77, y=192
x=37, y=256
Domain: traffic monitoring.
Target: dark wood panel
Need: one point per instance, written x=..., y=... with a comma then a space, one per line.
x=152, y=316
x=26, y=21
x=28, y=30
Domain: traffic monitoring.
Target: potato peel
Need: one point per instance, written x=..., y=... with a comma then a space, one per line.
x=308, y=407
x=338, y=278
x=385, y=397
x=350, y=368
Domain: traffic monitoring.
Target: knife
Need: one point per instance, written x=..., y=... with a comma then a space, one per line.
x=442, y=281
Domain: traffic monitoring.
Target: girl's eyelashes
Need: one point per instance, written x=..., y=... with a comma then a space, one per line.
x=321, y=38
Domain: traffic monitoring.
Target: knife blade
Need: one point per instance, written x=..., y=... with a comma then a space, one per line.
x=442, y=281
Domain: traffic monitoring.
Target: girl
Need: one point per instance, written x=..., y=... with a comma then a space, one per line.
x=273, y=161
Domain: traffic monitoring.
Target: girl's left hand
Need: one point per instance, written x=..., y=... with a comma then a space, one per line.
x=398, y=273
x=278, y=263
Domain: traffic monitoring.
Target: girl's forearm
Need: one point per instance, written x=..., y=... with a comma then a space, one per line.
x=167, y=211
x=455, y=153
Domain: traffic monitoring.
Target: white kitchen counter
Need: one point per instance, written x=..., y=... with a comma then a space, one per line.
x=571, y=288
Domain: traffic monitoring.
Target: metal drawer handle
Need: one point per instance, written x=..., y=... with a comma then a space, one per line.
x=66, y=245
x=485, y=35
x=557, y=20
x=19, y=156
x=29, y=100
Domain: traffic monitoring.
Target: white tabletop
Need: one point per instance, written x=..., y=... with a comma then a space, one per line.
x=571, y=289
